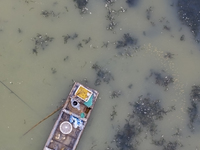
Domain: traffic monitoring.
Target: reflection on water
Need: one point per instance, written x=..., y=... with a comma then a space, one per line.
x=140, y=56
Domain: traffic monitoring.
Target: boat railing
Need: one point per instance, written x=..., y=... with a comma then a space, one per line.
x=75, y=115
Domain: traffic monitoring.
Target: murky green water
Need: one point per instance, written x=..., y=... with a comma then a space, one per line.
x=45, y=45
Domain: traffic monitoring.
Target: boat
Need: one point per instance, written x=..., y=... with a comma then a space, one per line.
x=72, y=119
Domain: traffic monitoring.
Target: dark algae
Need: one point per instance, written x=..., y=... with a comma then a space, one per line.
x=102, y=75
x=149, y=13
x=67, y=37
x=81, y=5
x=170, y=146
x=51, y=13
x=105, y=44
x=166, y=27
x=115, y=94
x=19, y=30
x=112, y=14
x=167, y=145
x=146, y=112
x=182, y=38
x=114, y=113
x=41, y=42
x=162, y=78
x=127, y=45
x=125, y=136
x=159, y=142
x=79, y=45
x=168, y=55
x=131, y=3
x=193, y=110
x=126, y=41
x=195, y=94
x=188, y=12
x=53, y=70
x=86, y=41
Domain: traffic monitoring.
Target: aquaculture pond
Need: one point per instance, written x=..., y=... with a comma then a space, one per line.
x=142, y=56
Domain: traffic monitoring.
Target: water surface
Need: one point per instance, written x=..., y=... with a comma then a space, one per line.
x=129, y=52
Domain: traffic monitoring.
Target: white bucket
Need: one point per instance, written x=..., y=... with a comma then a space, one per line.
x=66, y=127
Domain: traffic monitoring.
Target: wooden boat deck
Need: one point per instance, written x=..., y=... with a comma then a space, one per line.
x=59, y=141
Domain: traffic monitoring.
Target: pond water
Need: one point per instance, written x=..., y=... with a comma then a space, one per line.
x=141, y=55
